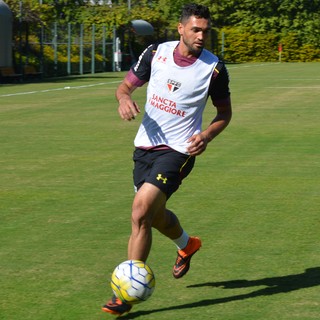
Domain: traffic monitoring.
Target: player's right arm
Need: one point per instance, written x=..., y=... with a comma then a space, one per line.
x=127, y=109
x=138, y=75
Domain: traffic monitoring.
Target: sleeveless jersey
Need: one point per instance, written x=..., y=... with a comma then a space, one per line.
x=176, y=98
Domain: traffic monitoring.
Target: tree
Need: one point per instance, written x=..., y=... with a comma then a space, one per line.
x=295, y=23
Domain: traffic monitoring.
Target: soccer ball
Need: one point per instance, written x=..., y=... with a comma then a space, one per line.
x=133, y=281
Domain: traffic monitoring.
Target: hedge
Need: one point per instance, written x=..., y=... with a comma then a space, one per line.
x=241, y=45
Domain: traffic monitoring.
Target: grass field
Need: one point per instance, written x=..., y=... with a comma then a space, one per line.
x=253, y=198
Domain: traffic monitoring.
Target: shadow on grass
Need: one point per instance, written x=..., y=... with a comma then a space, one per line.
x=275, y=285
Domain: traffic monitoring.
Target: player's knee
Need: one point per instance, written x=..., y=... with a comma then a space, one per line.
x=140, y=217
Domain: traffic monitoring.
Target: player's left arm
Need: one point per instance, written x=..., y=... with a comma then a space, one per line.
x=220, y=96
x=222, y=119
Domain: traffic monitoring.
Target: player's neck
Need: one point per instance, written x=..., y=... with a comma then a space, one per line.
x=185, y=52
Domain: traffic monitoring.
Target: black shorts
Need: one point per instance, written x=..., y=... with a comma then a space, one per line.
x=163, y=168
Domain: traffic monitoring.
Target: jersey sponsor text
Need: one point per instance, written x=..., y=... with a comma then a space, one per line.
x=166, y=105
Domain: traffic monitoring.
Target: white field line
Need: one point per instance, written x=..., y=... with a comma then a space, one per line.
x=103, y=83
x=57, y=89
x=113, y=82
x=251, y=65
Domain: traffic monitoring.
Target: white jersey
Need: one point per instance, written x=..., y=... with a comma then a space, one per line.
x=176, y=98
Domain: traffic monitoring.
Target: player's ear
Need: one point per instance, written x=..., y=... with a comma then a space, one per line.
x=180, y=28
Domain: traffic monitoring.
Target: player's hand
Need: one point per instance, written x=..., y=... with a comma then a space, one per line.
x=198, y=144
x=128, y=109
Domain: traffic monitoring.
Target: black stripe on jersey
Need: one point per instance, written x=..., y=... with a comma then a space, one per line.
x=142, y=68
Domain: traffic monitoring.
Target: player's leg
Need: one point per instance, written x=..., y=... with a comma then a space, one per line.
x=149, y=202
x=168, y=224
x=149, y=211
x=168, y=170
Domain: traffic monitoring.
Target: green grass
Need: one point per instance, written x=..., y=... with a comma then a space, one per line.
x=253, y=197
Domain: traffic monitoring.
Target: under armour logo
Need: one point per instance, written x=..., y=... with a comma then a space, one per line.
x=162, y=59
x=159, y=177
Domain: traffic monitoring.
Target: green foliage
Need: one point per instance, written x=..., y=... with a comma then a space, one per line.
x=242, y=45
x=298, y=16
x=252, y=29
x=294, y=50
x=309, y=53
x=34, y=12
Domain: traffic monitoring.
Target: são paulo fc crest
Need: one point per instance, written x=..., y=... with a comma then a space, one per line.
x=173, y=85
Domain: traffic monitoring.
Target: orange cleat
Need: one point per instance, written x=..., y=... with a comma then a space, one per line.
x=182, y=264
x=116, y=307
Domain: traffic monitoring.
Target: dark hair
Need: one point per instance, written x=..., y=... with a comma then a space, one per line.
x=193, y=9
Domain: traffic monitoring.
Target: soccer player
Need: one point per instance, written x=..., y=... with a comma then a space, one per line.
x=181, y=75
